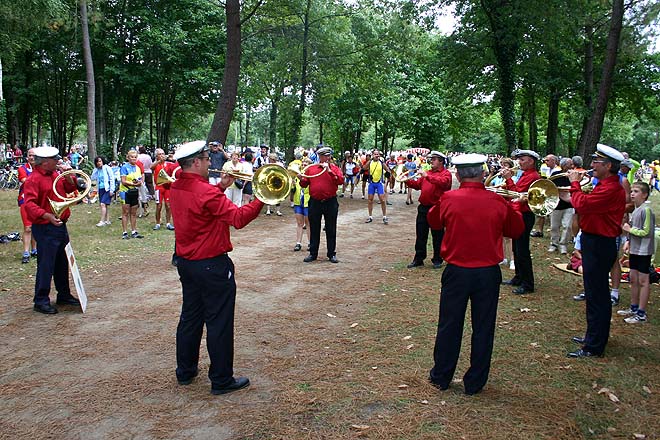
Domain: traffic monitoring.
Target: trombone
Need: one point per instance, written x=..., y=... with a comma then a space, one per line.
x=233, y=173
x=294, y=170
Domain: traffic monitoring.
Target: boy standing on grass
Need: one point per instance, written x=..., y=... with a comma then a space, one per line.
x=641, y=247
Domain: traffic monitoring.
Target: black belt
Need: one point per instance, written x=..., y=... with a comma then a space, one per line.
x=325, y=200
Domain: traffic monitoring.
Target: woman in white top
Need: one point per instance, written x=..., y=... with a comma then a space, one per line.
x=235, y=191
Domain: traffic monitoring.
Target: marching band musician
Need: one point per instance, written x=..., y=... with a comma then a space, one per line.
x=600, y=215
x=432, y=184
x=323, y=203
x=48, y=230
x=204, y=214
x=524, y=277
x=472, y=248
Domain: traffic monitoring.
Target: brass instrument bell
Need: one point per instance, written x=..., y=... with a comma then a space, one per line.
x=59, y=207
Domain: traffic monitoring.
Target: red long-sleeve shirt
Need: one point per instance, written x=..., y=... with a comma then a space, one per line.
x=324, y=186
x=601, y=211
x=38, y=189
x=474, y=220
x=528, y=177
x=432, y=187
x=203, y=215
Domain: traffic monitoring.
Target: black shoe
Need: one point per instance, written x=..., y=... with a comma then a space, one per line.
x=415, y=263
x=578, y=339
x=334, y=259
x=536, y=234
x=582, y=353
x=511, y=282
x=25, y=259
x=189, y=380
x=309, y=258
x=520, y=290
x=472, y=392
x=46, y=309
x=579, y=297
x=237, y=384
x=437, y=264
x=437, y=385
x=71, y=301
x=615, y=301
x=297, y=247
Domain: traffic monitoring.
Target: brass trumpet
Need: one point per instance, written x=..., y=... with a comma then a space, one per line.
x=401, y=173
x=233, y=173
x=59, y=207
x=584, y=182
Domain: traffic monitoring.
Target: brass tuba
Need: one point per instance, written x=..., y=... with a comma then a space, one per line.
x=59, y=207
x=271, y=183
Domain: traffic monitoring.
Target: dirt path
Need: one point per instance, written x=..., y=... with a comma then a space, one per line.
x=110, y=373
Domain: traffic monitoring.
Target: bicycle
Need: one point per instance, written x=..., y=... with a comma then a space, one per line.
x=9, y=179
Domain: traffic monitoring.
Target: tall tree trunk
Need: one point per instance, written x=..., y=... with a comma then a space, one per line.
x=272, y=127
x=225, y=109
x=247, y=126
x=532, y=124
x=551, y=134
x=101, y=134
x=300, y=108
x=505, y=46
x=91, y=86
x=595, y=125
x=521, y=127
x=588, y=78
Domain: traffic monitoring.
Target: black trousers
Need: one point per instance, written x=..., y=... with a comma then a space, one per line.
x=482, y=287
x=521, y=254
x=422, y=236
x=209, y=297
x=329, y=209
x=52, y=263
x=598, y=256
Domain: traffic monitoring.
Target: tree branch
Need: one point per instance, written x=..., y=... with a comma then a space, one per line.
x=257, y=6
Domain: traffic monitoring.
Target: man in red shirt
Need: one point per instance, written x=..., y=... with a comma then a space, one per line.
x=474, y=220
x=48, y=230
x=524, y=278
x=432, y=184
x=24, y=172
x=323, y=203
x=601, y=213
x=162, y=191
x=204, y=214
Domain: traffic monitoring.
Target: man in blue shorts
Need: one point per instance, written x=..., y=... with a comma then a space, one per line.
x=377, y=168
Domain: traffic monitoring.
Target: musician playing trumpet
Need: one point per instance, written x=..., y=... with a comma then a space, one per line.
x=49, y=231
x=524, y=277
x=432, y=184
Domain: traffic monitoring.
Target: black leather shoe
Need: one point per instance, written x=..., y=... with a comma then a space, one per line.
x=578, y=339
x=582, y=353
x=520, y=290
x=415, y=263
x=309, y=258
x=334, y=259
x=437, y=264
x=237, y=384
x=511, y=282
x=46, y=309
x=437, y=385
x=68, y=301
x=189, y=380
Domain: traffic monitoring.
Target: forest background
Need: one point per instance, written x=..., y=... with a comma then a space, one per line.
x=556, y=76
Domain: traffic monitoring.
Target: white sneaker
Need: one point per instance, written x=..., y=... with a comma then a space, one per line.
x=157, y=227
x=635, y=319
x=385, y=220
x=626, y=312
x=552, y=249
x=512, y=265
x=108, y=223
x=504, y=262
x=100, y=224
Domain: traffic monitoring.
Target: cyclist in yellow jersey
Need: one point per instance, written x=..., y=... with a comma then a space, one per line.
x=376, y=168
